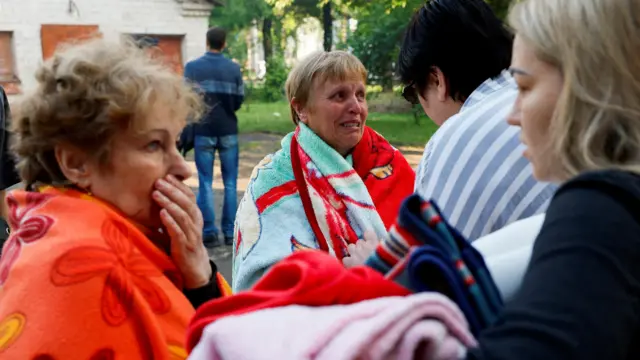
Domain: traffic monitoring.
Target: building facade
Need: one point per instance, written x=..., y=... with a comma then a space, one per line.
x=30, y=31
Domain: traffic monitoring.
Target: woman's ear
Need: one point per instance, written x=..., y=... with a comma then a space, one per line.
x=299, y=110
x=440, y=82
x=74, y=164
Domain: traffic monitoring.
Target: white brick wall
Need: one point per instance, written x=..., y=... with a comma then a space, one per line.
x=114, y=17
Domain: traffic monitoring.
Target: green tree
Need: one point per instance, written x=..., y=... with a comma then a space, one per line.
x=376, y=41
x=500, y=7
x=237, y=46
x=277, y=72
x=323, y=10
x=381, y=26
x=240, y=14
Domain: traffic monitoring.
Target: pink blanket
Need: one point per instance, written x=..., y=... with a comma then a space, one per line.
x=421, y=326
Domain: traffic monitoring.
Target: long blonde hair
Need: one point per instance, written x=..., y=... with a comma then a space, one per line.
x=596, y=46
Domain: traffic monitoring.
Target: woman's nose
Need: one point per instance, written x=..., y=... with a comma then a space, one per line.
x=513, y=118
x=180, y=168
x=357, y=105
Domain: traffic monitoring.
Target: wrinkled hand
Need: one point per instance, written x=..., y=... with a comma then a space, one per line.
x=183, y=221
x=361, y=250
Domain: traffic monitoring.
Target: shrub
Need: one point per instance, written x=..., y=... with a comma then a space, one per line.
x=277, y=72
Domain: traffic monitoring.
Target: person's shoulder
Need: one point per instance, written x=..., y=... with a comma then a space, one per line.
x=606, y=176
x=195, y=61
x=621, y=184
x=54, y=229
x=600, y=193
x=198, y=62
x=490, y=100
x=616, y=182
x=272, y=170
x=485, y=115
x=61, y=219
x=236, y=65
x=230, y=63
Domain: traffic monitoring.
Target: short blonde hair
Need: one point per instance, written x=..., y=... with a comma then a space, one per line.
x=595, y=44
x=321, y=66
x=87, y=93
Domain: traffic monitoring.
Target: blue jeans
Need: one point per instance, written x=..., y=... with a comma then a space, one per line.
x=205, y=150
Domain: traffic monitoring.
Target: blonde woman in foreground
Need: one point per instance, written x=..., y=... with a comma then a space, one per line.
x=576, y=64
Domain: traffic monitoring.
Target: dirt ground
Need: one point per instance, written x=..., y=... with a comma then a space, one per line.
x=254, y=147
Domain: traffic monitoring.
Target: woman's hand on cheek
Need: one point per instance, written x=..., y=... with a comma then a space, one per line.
x=182, y=219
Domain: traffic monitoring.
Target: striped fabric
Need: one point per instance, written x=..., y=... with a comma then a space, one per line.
x=222, y=87
x=424, y=253
x=473, y=165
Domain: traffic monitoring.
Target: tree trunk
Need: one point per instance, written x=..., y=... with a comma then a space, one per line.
x=345, y=29
x=267, y=40
x=279, y=39
x=327, y=23
x=250, y=50
x=387, y=82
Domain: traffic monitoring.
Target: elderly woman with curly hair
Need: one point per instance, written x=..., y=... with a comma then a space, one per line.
x=333, y=180
x=105, y=258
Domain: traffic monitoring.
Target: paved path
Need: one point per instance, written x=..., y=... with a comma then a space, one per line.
x=254, y=147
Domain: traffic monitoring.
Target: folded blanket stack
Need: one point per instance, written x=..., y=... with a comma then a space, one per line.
x=310, y=278
x=424, y=253
x=423, y=326
x=309, y=306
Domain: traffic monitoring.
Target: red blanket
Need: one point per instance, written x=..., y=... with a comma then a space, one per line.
x=311, y=278
x=385, y=172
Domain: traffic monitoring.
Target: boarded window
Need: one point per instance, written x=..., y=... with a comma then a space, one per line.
x=167, y=47
x=8, y=76
x=52, y=36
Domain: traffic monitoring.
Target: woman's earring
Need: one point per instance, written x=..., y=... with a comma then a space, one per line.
x=85, y=189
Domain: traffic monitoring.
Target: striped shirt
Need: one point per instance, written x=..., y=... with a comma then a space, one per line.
x=473, y=165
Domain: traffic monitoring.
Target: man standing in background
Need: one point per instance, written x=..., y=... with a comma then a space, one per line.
x=8, y=175
x=220, y=82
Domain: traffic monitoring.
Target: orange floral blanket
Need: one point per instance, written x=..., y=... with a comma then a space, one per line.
x=80, y=281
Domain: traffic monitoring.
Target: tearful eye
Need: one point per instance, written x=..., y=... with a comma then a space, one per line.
x=154, y=145
x=338, y=96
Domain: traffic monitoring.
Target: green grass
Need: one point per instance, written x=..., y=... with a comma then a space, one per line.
x=274, y=118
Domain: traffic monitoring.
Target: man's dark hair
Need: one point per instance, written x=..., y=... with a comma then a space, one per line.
x=463, y=38
x=216, y=38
